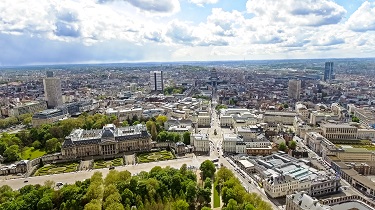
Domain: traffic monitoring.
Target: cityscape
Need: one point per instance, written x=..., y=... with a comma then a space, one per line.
x=187, y=105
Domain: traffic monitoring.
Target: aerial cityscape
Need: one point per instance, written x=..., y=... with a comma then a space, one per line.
x=187, y=104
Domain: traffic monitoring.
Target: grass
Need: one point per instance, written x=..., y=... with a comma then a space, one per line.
x=216, y=196
x=155, y=156
x=30, y=153
x=56, y=169
x=105, y=164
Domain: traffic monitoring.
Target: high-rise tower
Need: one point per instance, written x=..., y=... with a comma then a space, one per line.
x=329, y=74
x=213, y=77
x=52, y=90
x=294, y=89
x=156, y=81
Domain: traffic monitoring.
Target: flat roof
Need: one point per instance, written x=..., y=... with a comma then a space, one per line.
x=246, y=163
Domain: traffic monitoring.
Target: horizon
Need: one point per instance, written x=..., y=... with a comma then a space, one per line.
x=187, y=62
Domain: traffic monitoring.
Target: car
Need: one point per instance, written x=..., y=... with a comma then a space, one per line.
x=111, y=167
x=25, y=181
x=58, y=184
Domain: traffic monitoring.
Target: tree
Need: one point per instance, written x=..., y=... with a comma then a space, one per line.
x=186, y=137
x=232, y=205
x=207, y=183
x=93, y=205
x=191, y=192
x=11, y=153
x=161, y=119
x=206, y=208
x=292, y=145
x=36, y=144
x=180, y=205
x=125, y=123
x=208, y=169
x=154, y=132
x=355, y=119
x=52, y=145
x=282, y=146
x=286, y=106
x=3, y=147
x=45, y=203
x=149, y=125
x=136, y=122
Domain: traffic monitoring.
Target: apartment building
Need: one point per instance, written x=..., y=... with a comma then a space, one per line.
x=125, y=114
x=366, y=116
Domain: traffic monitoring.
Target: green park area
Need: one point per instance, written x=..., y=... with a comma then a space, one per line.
x=56, y=169
x=155, y=156
x=107, y=163
x=29, y=153
x=216, y=196
x=365, y=144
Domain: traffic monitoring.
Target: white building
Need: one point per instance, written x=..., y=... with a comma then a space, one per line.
x=233, y=144
x=156, y=81
x=200, y=142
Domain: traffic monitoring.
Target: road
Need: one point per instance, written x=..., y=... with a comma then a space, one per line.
x=71, y=178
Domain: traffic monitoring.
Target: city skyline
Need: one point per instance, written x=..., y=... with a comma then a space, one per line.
x=105, y=31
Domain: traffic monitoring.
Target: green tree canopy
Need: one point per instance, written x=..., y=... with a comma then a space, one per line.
x=208, y=169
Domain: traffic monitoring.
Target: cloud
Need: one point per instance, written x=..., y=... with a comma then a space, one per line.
x=363, y=19
x=201, y=3
x=159, y=6
x=225, y=23
x=181, y=32
x=328, y=41
x=297, y=12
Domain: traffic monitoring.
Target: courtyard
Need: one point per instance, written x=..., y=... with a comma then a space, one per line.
x=155, y=156
x=49, y=169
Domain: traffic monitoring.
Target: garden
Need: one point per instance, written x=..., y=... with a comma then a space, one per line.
x=29, y=153
x=107, y=163
x=155, y=156
x=56, y=169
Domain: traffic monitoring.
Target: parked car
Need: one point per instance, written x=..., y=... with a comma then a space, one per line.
x=111, y=167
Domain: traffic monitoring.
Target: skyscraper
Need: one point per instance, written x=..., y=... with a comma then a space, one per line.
x=214, y=77
x=294, y=89
x=329, y=74
x=52, y=91
x=156, y=81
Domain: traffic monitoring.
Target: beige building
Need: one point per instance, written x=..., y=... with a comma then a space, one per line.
x=303, y=201
x=200, y=142
x=52, y=91
x=286, y=118
x=107, y=141
x=366, y=116
x=302, y=111
x=125, y=114
x=28, y=108
x=334, y=131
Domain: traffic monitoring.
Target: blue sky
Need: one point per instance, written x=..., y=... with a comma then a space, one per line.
x=100, y=31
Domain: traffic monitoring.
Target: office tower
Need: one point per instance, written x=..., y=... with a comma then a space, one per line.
x=328, y=71
x=49, y=73
x=52, y=91
x=214, y=77
x=156, y=81
x=294, y=89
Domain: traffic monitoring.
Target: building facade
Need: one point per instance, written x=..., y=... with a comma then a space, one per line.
x=329, y=74
x=107, y=141
x=294, y=89
x=156, y=81
x=48, y=116
x=52, y=91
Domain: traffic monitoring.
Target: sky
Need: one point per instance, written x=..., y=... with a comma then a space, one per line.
x=105, y=31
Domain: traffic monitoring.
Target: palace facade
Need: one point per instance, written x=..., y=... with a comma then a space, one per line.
x=107, y=141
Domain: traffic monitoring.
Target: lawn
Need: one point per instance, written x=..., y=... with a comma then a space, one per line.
x=30, y=153
x=216, y=196
x=105, y=164
x=154, y=156
x=56, y=169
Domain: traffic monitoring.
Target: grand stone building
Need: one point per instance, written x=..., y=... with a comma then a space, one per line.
x=107, y=141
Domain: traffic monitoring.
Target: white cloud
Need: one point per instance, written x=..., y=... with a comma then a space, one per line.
x=297, y=12
x=201, y=3
x=363, y=19
x=158, y=6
